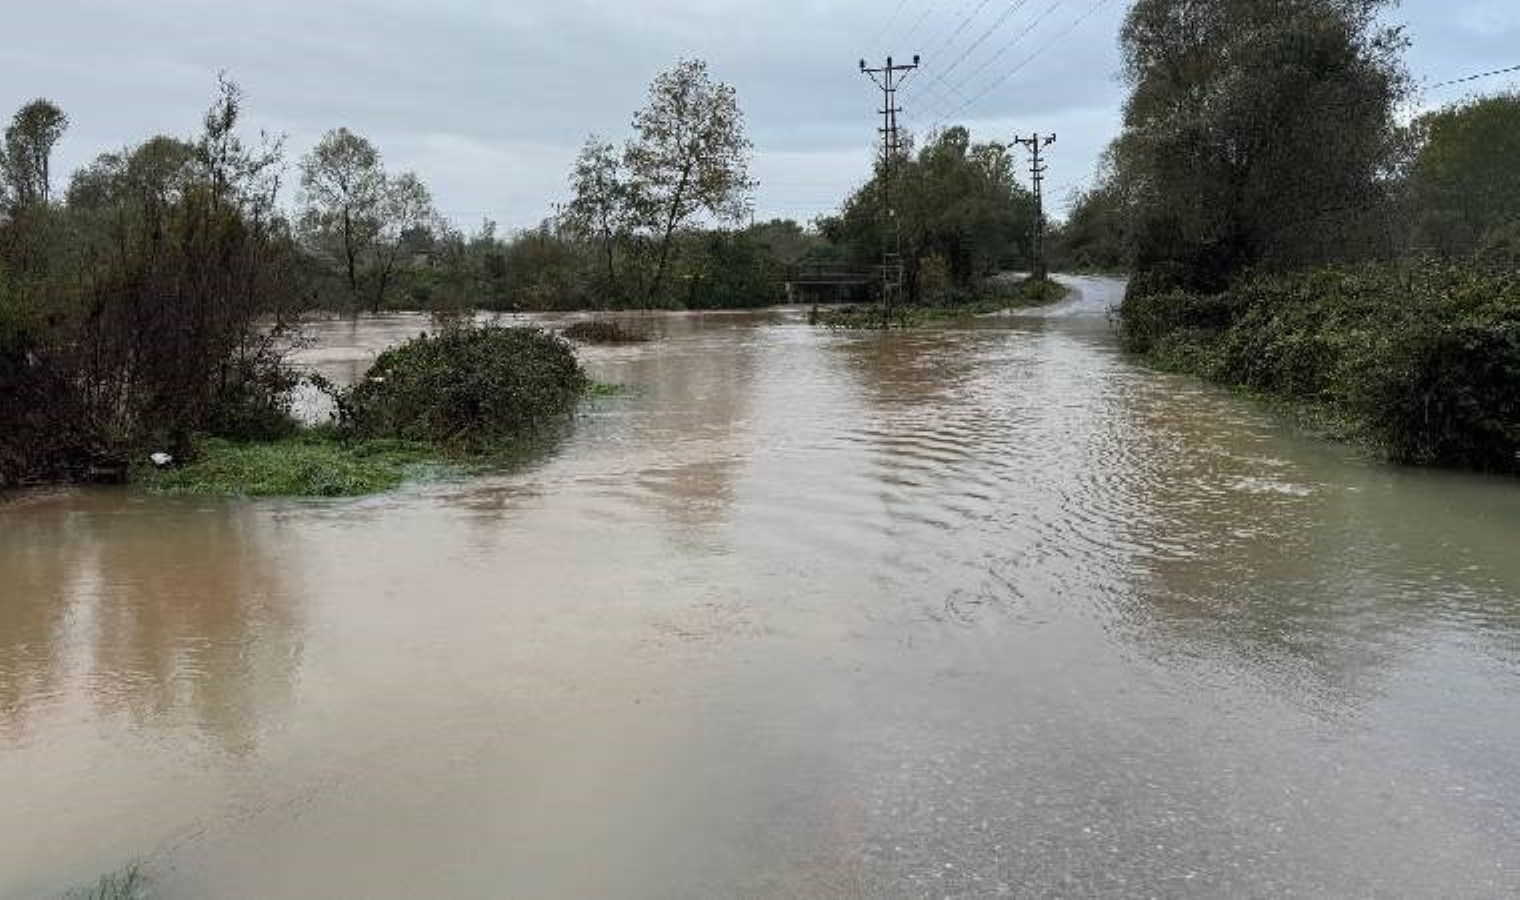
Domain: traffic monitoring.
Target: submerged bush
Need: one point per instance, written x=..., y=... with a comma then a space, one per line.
x=603, y=331
x=471, y=388
x=1424, y=360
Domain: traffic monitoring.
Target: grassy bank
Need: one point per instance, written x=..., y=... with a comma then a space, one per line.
x=994, y=299
x=323, y=462
x=313, y=463
x=436, y=405
x=1421, y=361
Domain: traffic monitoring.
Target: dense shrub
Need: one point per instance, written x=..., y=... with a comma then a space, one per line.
x=471, y=388
x=1152, y=319
x=1423, y=359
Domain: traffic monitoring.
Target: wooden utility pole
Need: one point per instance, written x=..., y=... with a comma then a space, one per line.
x=1037, y=145
x=889, y=78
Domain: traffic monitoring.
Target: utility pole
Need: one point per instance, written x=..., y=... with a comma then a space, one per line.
x=1037, y=145
x=889, y=78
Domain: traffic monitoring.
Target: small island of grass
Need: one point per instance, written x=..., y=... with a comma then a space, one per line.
x=434, y=405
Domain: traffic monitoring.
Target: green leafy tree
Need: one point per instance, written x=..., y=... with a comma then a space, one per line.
x=1098, y=233
x=689, y=157
x=955, y=201
x=343, y=192
x=146, y=299
x=1259, y=133
x=372, y=220
x=26, y=158
x=1465, y=182
x=599, y=210
x=407, y=221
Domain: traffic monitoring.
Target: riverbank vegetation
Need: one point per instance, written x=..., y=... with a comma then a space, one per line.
x=147, y=306
x=433, y=406
x=962, y=216
x=317, y=462
x=1291, y=236
x=1419, y=359
x=153, y=306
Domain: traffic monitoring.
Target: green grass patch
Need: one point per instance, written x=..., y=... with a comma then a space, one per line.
x=314, y=463
x=322, y=462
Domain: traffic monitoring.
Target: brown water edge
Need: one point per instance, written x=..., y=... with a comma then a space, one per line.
x=968, y=611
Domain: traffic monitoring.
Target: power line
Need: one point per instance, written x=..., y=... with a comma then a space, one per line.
x=891, y=20
x=942, y=43
x=981, y=39
x=1480, y=75
x=944, y=100
x=917, y=23
x=959, y=101
x=986, y=63
x=1031, y=57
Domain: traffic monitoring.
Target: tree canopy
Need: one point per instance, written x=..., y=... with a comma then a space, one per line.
x=26, y=157
x=1258, y=133
x=957, y=203
x=1465, y=182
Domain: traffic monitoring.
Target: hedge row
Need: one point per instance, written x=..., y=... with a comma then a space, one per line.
x=1423, y=360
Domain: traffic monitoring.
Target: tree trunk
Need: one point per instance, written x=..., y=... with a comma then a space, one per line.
x=670, y=227
x=350, y=253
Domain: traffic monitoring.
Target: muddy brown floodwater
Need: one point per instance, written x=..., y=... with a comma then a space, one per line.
x=970, y=612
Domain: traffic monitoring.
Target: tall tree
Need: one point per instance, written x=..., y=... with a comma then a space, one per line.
x=343, y=195
x=238, y=172
x=599, y=208
x=957, y=203
x=26, y=159
x=1465, y=183
x=1259, y=133
x=689, y=156
x=407, y=221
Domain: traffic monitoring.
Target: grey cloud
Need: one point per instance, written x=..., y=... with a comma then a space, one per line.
x=490, y=100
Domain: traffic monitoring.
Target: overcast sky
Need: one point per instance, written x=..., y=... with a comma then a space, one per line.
x=488, y=100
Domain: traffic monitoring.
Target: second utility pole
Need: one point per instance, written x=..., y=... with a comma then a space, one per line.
x=1037, y=145
x=889, y=78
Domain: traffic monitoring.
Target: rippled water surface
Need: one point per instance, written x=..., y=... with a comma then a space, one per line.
x=978, y=611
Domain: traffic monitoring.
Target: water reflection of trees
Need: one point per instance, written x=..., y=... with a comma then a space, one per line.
x=173, y=616
x=38, y=556
x=688, y=444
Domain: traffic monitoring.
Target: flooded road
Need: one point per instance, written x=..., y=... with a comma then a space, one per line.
x=971, y=612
